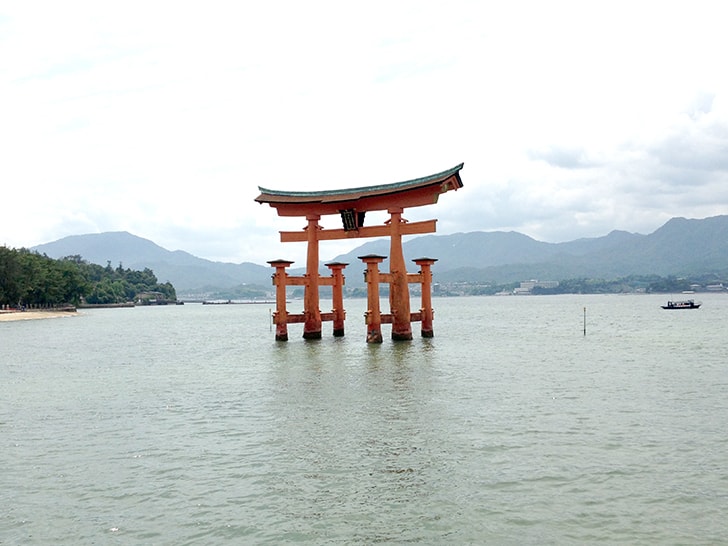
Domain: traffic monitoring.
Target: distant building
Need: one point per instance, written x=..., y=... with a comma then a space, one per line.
x=527, y=287
x=150, y=298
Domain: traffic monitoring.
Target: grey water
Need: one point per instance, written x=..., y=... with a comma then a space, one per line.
x=191, y=425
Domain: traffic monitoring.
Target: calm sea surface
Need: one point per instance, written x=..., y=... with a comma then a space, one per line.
x=191, y=425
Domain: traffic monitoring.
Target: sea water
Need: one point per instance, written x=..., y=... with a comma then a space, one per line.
x=525, y=420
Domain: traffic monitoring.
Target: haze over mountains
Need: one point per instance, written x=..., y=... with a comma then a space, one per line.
x=680, y=247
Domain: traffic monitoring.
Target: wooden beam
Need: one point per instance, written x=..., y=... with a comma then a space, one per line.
x=302, y=280
x=388, y=318
x=412, y=278
x=410, y=228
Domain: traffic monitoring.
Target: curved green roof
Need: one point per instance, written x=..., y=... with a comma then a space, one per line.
x=364, y=190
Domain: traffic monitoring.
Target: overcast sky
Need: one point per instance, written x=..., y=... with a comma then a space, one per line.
x=162, y=118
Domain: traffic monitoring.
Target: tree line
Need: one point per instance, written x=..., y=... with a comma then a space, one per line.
x=34, y=280
x=650, y=284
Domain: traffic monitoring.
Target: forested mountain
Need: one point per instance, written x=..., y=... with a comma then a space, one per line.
x=185, y=271
x=680, y=247
x=482, y=249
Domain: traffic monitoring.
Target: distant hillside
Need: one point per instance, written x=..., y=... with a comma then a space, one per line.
x=680, y=247
x=186, y=272
x=481, y=250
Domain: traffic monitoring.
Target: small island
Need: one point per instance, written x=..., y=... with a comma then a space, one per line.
x=32, y=283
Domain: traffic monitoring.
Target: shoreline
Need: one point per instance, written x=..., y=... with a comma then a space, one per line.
x=11, y=316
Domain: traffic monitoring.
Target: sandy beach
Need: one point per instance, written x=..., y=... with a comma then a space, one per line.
x=7, y=316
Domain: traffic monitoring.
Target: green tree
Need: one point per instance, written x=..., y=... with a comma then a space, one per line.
x=9, y=276
x=33, y=279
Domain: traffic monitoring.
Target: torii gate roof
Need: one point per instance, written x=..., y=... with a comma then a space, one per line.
x=410, y=193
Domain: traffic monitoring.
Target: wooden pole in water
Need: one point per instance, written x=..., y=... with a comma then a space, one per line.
x=584, y=320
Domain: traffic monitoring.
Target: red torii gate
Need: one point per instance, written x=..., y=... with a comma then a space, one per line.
x=352, y=205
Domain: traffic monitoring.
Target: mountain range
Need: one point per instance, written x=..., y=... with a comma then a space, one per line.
x=680, y=247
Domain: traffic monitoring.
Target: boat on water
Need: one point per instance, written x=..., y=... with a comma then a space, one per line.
x=682, y=304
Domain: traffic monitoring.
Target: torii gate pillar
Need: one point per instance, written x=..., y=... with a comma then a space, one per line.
x=280, y=317
x=426, y=312
x=373, y=316
x=311, y=311
x=399, y=301
x=337, y=295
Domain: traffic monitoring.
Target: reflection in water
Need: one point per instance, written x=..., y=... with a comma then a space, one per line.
x=354, y=424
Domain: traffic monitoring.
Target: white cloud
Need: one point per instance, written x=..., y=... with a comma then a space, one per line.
x=162, y=119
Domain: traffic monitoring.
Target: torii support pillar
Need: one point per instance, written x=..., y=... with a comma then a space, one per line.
x=280, y=317
x=373, y=316
x=426, y=312
x=337, y=296
x=399, y=301
x=311, y=311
